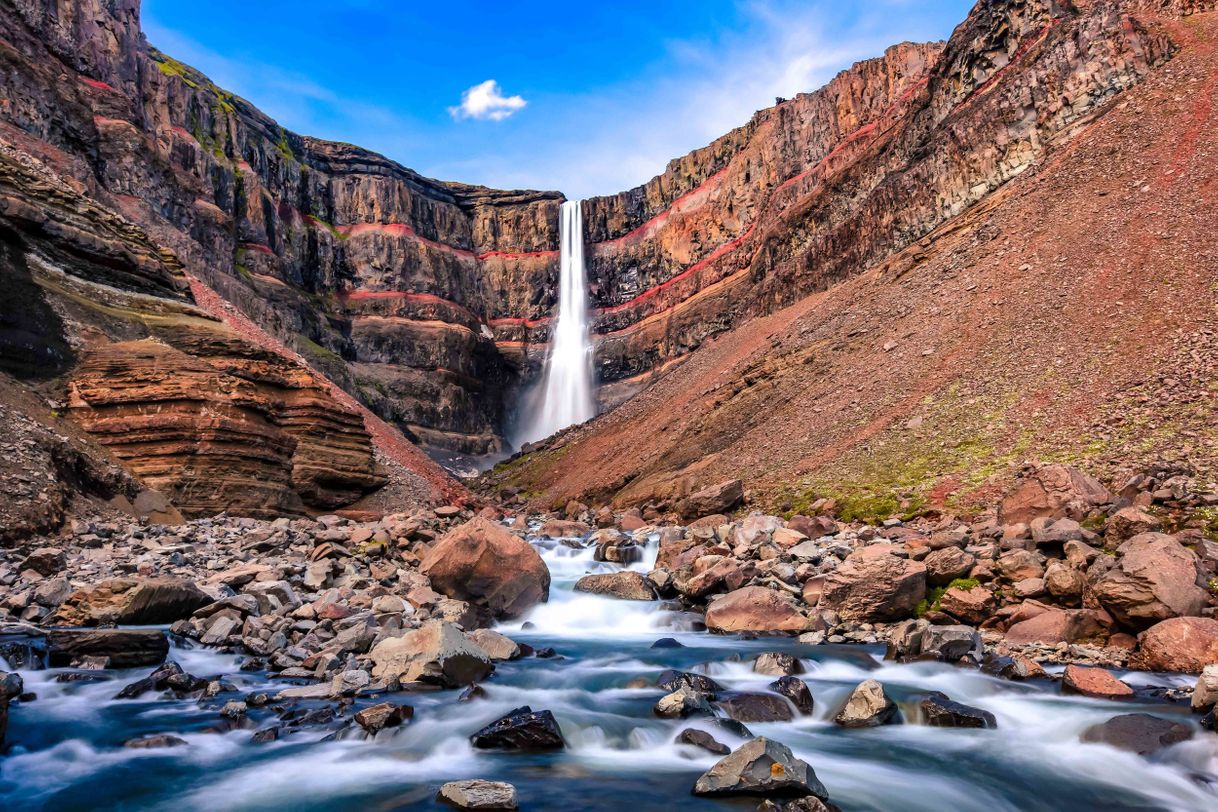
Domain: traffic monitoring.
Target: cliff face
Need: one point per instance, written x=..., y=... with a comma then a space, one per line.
x=389, y=282
x=819, y=188
x=189, y=406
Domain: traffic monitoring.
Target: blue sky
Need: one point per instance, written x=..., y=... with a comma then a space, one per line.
x=583, y=97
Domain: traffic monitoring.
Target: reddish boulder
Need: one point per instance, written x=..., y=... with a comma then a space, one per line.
x=1155, y=578
x=1129, y=522
x=1055, y=491
x=1186, y=644
x=873, y=585
x=969, y=605
x=721, y=498
x=947, y=564
x=1057, y=626
x=488, y=566
x=755, y=609
x=1094, y=682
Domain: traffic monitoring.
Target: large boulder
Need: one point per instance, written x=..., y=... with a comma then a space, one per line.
x=761, y=767
x=872, y=585
x=122, y=648
x=868, y=706
x=1155, y=578
x=483, y=563
x=1186, y=644
x=1055, y=626
x=436, y=652
x=755, y=609
x=720, y=498
x=132, y=601
x=1138, y=732
x=938, y=710
x=522, y=729
x=625, y=585
x=1053, y=491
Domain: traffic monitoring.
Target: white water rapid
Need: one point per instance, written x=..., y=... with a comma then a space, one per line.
x=565, y=395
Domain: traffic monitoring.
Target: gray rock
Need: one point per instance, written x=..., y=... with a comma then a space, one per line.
x=868, y=706
x=478, y=794
x=761, y=767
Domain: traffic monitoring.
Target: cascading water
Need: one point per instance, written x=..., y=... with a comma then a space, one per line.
x=565, y=395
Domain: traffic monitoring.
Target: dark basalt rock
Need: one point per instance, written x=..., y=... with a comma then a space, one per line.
x=668, y=642
x=266, y=735
x=757, y=708
x=1140, y=733
x=671, y=680
x=521, y=729
x=125, y=648
x=169, y=677
x=700, y=738
x=938, y=710
x=796, y=690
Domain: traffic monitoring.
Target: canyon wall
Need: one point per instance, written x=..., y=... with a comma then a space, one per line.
x=390, y=283
x=104, y=319
x=431, y=302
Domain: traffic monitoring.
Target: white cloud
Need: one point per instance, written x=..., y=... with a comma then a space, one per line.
x=486, y=102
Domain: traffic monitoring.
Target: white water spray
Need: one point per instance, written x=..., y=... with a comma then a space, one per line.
x=565, y=396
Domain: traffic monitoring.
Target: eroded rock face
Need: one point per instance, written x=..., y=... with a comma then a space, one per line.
x=874, y=585
x=1155, y=578
x=490, y=567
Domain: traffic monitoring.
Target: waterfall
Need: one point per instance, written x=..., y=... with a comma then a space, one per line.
x=565, y=395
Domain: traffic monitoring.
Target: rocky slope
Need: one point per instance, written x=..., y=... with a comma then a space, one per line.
x=1067, y=315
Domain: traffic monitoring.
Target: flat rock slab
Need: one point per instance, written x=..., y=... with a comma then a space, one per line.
x=124, y=648
x=478, y=794
x=1138, y=732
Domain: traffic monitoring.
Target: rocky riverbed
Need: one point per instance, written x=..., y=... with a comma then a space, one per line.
x=1065, y=643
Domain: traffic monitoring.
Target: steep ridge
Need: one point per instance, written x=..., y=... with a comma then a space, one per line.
x=818, y=188
x=1068, y=315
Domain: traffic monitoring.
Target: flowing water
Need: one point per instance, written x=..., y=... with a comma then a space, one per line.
x=565, y=395
x=619, y=756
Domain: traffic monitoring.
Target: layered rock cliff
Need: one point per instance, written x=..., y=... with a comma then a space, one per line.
x=820, y=187
x=389, y=282
x=102, y=321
